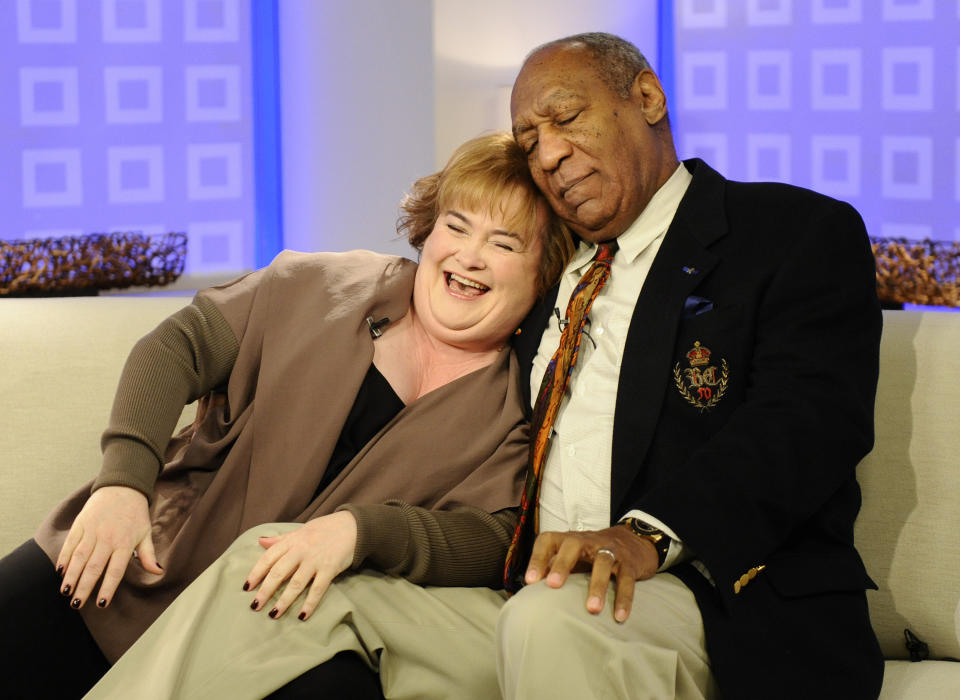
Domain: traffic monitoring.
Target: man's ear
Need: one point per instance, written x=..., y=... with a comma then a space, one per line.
x=648, y=93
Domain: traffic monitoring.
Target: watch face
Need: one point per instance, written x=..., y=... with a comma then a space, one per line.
x=642, y=528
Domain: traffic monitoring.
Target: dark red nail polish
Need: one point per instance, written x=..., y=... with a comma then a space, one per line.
x=102, y=603
x=65, y=590
x=255, y=604
x=274, y=613
x=302, y=616
x=246, y=586
x=75, y=602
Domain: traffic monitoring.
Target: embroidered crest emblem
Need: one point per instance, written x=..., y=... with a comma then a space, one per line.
x=701, y=384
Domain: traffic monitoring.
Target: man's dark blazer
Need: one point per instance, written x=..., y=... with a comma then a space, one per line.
x=745, y=402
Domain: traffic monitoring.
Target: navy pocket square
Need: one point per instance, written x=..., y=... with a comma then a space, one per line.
x=694, y=306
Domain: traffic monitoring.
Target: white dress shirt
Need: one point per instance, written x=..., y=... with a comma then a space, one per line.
x=575, y=492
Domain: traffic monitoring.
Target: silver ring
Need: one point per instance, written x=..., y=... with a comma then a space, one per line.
x=604, y=550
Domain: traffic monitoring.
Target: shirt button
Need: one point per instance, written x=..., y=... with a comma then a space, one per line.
x=600, y=331
x=579, y=527
x=572, y=451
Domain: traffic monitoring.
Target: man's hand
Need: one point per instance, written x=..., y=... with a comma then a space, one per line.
x=112, y=527
x=614, y=552
x=318, y=551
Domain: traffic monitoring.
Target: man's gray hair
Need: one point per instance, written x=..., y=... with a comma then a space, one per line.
x=617, y=60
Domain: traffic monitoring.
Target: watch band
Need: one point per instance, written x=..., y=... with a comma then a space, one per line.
x=660, y=539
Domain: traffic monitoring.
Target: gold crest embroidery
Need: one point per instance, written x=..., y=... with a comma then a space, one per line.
x=701, y=384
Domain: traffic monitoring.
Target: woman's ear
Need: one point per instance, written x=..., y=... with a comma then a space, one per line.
x=648, y=93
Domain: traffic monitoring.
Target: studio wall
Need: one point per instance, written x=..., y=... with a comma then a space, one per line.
x=859, y=99
x=129, y=115
x=479, y=47
x=357, y=123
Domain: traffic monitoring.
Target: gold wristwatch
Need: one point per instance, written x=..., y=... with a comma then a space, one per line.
x=660, y=539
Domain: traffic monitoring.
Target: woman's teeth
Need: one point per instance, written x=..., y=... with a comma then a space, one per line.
x=465, y=286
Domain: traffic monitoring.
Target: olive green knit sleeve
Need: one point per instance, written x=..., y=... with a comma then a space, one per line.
x=185, y=357
x=457, y=547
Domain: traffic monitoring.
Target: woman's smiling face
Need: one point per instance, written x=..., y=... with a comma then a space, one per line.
x=477, y=277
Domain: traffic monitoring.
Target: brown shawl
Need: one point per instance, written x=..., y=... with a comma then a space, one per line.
x=304, y=349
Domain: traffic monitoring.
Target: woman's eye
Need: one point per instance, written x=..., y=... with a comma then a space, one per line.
x=455, y=228
x=508, y=243
x=529, y=146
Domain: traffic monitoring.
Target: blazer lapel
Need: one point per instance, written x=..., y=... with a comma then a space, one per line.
x=682, y=263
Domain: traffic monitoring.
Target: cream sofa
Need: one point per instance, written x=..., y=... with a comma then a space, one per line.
x=60, y=360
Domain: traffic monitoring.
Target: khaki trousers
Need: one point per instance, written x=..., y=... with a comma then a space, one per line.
x=426, y=642
x=549, y=646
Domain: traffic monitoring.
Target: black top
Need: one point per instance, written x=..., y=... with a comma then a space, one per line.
x=375, y=406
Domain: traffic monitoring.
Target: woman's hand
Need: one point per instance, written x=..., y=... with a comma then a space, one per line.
x=318, y=551
x=113, y=525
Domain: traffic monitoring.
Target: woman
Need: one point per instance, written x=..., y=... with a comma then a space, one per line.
x=328, y=379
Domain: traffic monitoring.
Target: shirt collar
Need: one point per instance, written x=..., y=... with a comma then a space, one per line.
x=653, y=222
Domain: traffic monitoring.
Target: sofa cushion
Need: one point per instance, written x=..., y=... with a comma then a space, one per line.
x=909, y=528
x=60, y=360
x=925, y=680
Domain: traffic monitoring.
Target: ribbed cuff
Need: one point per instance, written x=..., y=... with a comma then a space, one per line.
x=128, y=463
x=382, y=535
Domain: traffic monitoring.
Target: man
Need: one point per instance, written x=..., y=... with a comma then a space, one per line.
x=714, y=418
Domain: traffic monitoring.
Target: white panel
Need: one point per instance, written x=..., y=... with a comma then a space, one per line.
x=214, y=245
x=918, y=153
x=703, y=14
x=850, y=62
x=33, y=27
x=828, y=150
x=211, y=20
x=907, y=10
x=761, y=64
x=711, y=147
x=915, y=59
x=197, y=80
x=146, y=162
x=117, y=80
x=219, y=160
x=703, y=80
x=913, y=232
x=116, y=16
x=61, y=164
x=761, y=13
x=831, y=12
x=64, y=82
x=758, y=147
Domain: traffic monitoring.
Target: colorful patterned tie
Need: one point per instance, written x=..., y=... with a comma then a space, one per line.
x=556, y=377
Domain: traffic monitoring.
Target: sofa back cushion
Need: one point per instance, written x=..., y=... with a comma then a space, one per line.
x=909, y=527
x=60, y=360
